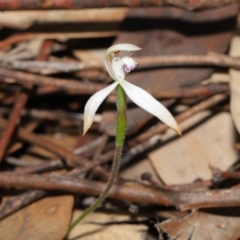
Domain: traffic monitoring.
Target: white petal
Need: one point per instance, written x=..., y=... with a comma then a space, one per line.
x=117, y=68
x=93, y=103
x=144, y=100
x=127, y=47
x=107, y=66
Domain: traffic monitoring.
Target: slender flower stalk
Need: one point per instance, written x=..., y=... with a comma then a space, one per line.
x=121, y=127
x=118, y=63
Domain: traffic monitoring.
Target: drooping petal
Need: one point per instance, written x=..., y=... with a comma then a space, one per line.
x=93, y=104
x=144, y=100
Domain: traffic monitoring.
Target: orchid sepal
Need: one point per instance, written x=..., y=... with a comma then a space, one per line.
x=93, y=104
x=117, y=68
x=150, y=104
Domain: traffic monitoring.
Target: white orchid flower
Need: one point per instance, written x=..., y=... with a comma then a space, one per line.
x=118, y=63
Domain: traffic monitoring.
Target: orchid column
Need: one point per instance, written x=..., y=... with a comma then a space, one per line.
x=118, y=63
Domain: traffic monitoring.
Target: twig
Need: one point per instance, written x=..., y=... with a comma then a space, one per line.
x=42, y=167
x=57, y=164
x=19, y=162
x=73, y=85
x=211, y=59
x=12, y=122
x=89, y=88
x=209, y=199
x=177, y=187
x=65, y=4
x=51, y=114
x=129, y=191
x=100, y=160
x=133, y=192
x=58, y=66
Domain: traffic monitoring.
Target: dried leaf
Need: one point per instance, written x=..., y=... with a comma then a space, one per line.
x=188, y=158
x=217, y=224
x=45, y=219
x=99, y=226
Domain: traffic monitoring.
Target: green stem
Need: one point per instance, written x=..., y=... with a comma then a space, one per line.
x=120, y=135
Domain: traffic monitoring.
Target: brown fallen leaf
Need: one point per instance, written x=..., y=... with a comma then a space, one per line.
x=219, y=224
x=102, y=226
x=188, y=158
x=47, y=218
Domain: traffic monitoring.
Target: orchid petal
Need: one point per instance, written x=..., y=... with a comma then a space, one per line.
x=93, y=104
x=144, y=100
x=117, y=69
x=126, y=47
x=109, y=70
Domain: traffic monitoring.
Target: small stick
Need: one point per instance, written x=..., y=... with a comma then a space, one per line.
x=71, y=85
x=66, y=4
x=211, y=59
x=134, y=192
x=42, y=167
x=12, y=122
